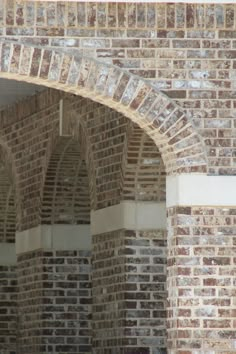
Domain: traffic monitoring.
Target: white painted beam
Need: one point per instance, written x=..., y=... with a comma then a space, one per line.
x=130, y=216
x=155, y=1
x=7, y=253
x=58, y=237
x=201, y=190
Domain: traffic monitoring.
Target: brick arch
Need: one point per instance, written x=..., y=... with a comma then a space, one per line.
x=66, y=198
x=144, y=170
x=181, y=147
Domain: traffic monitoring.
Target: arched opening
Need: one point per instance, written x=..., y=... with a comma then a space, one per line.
x=172, y=132
x=145, y=176
x=190, y=49
x=129, y=254
x=154, y=112
x=66, y=197
x=63, y=259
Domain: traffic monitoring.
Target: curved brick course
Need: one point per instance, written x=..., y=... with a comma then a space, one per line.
x=154, y=112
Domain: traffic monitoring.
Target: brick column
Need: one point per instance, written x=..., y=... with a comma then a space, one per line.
x=8, y=299
x=53, y=268
x=201, y=264
x=129, y=279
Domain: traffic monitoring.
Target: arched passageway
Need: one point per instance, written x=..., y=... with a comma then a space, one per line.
x=154, y=112
x=128, y=253
x=60, y=244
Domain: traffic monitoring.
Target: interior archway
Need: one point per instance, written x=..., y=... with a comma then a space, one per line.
x=155, y=114
x=181, y=147
x=66, y=197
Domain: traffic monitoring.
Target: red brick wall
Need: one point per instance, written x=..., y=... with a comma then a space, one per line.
x=129, y=291
x=201, y=279
x=8, y=308
x=186, y=51
x=54, y=301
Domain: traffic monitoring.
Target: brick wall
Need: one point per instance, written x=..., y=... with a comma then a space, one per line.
x=8, y=309
x=31, y=134
x=54, y=301
x=66, y=197
x=7, y=208
x=8, y=279
x=108, y=144
x=26, y=130
x=65, y=185
x=129, y=292
x=185, y=50
x=201, y=280
x=106, y=138
x=144, y=172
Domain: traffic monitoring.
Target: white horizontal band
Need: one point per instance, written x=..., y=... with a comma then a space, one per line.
x=130, y=216
x=58, y=237
x=7, y=253
x=156, y=1
x=201, y=190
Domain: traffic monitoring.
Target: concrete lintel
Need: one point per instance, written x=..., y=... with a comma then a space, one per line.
x=156, y=1
x=7, y=253
x=58, y=237
x=200, y=190
x=130, y=216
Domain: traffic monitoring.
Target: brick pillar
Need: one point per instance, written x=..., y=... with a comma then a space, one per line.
x=8, y=299
x=129, y=279
x=201, y=264
x=53, y=268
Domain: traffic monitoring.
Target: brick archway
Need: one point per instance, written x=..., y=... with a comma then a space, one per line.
x=181, y=147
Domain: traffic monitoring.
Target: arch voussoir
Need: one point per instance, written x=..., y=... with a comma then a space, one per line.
x=65, y=68
x=73, y=74
x=158, y=115
x=25, y=61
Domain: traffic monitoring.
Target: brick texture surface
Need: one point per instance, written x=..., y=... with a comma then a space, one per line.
x=54, y=302
x=121, y=161
x=8, y=309
x=7, y=202
x=201, y=280
x=66, y=197
x=148, y=90
x=61, y=165
x=185, y=50
x=129, y=292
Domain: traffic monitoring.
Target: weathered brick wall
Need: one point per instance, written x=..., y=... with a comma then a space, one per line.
x=8, y=309
x=54, y=301
x=66, y=198
x=30, y=134
x=26, y=130
x=104, y=138
x=7, y=201
x=129, y=292
x=188, y=52
x=8, y=281
x=144, y=171
x=185, y=50
x=201, y=280
x=57, y=164
x=7, y=208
